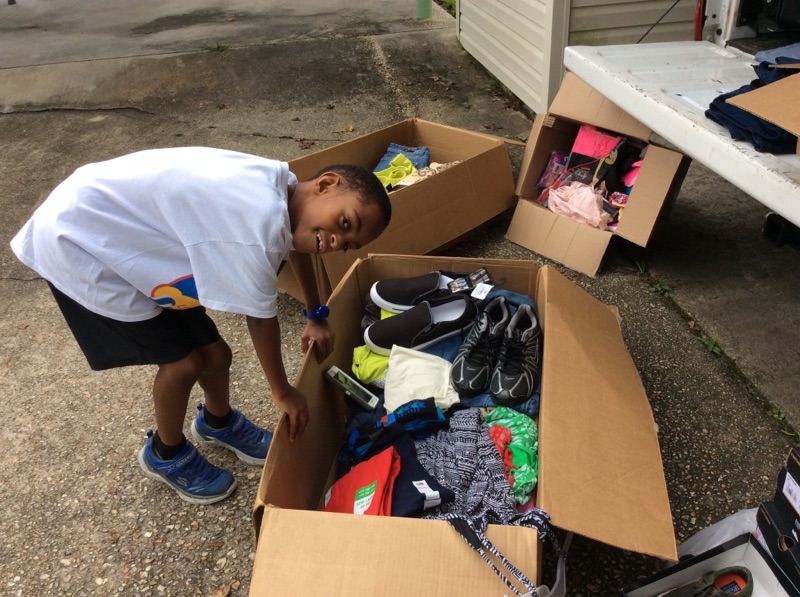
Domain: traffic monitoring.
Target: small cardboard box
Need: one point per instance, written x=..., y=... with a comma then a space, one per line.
x=745, y=550
x=576, y=245
x=429, y=215
x=600, y=471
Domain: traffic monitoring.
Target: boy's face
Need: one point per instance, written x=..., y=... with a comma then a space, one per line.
x=335, y=219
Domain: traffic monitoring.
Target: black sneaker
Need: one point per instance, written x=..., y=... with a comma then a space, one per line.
x=401, y=294
x=519, y=365
x=423, y=325
x=476, y=357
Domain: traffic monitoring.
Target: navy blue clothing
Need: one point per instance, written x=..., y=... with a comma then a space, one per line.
x=744, y=126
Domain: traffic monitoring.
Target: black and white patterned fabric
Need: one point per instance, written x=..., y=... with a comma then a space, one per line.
x=464, y=458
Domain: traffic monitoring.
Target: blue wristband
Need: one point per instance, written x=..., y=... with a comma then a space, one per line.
x=319, y=313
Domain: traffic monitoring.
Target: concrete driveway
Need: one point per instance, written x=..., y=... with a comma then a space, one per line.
x=82, y=82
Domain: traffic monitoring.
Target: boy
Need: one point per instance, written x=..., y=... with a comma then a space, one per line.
x=135, y=248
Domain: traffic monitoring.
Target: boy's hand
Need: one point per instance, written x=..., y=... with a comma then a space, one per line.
x=294, y=404
x=323, y=336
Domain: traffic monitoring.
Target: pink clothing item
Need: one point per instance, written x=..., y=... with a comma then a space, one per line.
x=630, y=176
x=580, y=202
x=591, y=142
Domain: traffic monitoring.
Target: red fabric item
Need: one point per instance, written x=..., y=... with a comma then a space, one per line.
x=367, y=488
x=501, y=437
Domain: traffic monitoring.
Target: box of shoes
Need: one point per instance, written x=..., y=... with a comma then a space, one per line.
x=787, y=499
x=575, y=228
x=594, y=429
x=428, y=215
x=780, y=538
x=740, y=566
x=789, y=483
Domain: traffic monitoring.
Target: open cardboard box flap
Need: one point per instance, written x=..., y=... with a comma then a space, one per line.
x=600, y=465
x=600, y=470
x=578, y=101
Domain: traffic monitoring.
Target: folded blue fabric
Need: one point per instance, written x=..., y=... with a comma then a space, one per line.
x=744, y=126
x=419, y=156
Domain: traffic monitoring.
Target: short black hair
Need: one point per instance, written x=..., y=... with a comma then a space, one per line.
x=368, y=187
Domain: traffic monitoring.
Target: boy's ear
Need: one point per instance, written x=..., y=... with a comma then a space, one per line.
x=326, y=181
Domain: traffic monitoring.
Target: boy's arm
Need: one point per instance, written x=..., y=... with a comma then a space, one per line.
x=266, y=336
x=319, y=331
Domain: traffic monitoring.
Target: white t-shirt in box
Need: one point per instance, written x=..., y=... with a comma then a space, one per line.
x=165, y=228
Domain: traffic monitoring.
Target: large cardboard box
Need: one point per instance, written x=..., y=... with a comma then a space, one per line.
x=600, y=471
x=576, y=245
x=745, y=550
x=429, y=215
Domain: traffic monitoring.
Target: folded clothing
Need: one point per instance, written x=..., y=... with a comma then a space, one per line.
x=367, y=488
x=744, y=126
x=420, y=157
x=427, y=172
x=399, y=168
x=415, y=375
x=418, y=418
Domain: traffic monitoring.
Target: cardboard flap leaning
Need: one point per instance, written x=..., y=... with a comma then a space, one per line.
x=600, y=465
x=776, y=103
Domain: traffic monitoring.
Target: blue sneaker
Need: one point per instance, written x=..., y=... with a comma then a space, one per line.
x=248, y=441
x=194, y=478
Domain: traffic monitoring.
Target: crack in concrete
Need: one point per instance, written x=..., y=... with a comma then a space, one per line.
x=124, y=110
x=385, y=70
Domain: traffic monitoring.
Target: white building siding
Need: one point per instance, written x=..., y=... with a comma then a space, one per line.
x=521, y=42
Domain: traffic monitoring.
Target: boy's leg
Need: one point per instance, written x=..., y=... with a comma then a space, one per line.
x=167, y=456
x=207, y=365
x=171, y=389
x=218, y=423
x=167, y=340
x=215, y=377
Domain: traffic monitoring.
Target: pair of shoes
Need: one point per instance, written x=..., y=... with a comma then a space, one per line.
x=733, y=580
x=501, y=353
x=401, y=294
x=249, y=442
x=422, y=325
x=194, y=478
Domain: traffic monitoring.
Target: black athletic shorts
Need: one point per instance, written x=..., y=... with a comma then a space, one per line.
x=107, y=343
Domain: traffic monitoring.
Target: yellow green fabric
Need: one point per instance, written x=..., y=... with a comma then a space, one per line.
x=398, y=169
x=368, y=366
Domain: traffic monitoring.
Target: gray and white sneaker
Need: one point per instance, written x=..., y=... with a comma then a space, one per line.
x=477, y=355
x=519, y=365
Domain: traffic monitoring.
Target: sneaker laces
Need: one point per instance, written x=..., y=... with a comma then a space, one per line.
x=485, y=347
x=511, y=356
x=200, y=469
x=249, y=431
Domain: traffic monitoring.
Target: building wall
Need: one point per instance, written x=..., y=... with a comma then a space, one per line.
x=521, y=42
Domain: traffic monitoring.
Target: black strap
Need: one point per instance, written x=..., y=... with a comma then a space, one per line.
x=480, y=543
